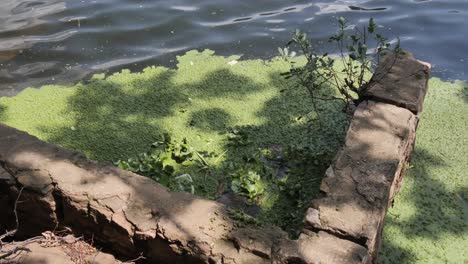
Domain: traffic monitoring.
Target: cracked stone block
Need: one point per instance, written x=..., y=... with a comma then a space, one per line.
x=312, y=217
x=365, y=174
x=131, y=214
x=38, y=181
x=401, y=80
x=326, y=248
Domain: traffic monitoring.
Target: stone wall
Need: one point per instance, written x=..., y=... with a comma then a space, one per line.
x=130, y=215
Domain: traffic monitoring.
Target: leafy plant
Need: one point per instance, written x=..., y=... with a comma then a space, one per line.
x=292, y=192
x=250, y=177
x=184, y=183
x=161, y=161
x=248, y=183
x=178, y=152
x=238, y=137
x=356, y=59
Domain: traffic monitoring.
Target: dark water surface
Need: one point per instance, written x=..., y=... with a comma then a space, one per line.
x=56, y=41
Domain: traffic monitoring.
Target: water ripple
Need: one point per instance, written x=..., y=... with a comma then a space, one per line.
x=43, y=41
x=296, y=8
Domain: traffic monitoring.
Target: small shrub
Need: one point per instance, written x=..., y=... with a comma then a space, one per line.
x=356, y=62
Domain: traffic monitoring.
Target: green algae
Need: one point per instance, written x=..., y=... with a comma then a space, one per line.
x=203, y=100
x=119, y=116
x=429, y=220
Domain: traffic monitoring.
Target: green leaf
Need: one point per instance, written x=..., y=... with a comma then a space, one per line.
x=169, y=169
x=250, y=188
x=292, y=41
x=280, y=50
x=342, y=21
x=235, y=186
x=371, y=27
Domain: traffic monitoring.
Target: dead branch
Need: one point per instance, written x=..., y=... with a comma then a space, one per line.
x=15, y=250
x=134, y=260
x=12, y=232
x=75, y=247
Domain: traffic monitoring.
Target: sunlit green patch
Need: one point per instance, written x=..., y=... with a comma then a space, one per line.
x=429, y=220
x=204, y=100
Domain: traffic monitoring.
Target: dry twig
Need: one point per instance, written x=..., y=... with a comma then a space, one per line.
x=12, y=232
x=75, y=247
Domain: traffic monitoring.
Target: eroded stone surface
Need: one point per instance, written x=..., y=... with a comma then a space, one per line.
x=332, y=249
x=365, y=175
x=239, y=202
x=400, y=80
x=38, y=254
x=133, y=215
x=69, y=252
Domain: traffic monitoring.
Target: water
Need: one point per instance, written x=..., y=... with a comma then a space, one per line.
x=57, y=41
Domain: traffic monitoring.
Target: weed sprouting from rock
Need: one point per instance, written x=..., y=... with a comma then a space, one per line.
x=349, y=73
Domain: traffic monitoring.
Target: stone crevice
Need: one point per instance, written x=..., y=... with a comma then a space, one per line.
x=362, y=241
x=58, y=198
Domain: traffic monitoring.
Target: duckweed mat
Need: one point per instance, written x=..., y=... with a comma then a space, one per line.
x=234, y=109
x=241, y=116
x=429, y=220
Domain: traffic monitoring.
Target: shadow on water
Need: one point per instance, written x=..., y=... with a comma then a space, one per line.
x=2, y=109
x=112, y=118
x=203, y=118
x=464, y=93
x=436, y=211
x=109, y=118
x=112, y=121
x=432, y=207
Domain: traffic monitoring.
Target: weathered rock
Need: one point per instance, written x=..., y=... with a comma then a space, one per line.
x=126, y=212
x=38, y=254
x=102, y=258
x=366, y=173
x=312, y=217
x=332, y=249
x=133, y=215
x=71, y=251
x=320, y=247
x=239, y=202
x=5, y=176
x=401, y=80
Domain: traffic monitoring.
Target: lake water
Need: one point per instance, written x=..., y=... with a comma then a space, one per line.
x=57, y=41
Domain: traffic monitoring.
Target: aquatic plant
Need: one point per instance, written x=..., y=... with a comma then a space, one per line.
x=220, y=121
x=121, y=115
x=161, y=163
